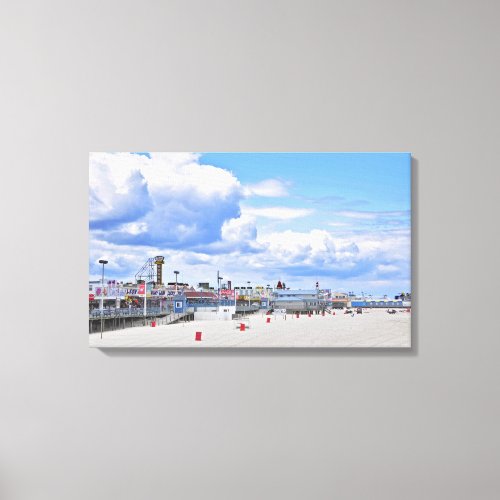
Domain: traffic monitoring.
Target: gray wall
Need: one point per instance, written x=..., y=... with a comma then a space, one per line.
x=80, y=424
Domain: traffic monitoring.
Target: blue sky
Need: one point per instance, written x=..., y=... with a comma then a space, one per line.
x=381, y=180
x=340, y=218
x=329, y=183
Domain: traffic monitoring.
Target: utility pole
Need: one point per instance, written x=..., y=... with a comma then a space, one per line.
x=103, y=262
x=176, y=274
x=219, y=279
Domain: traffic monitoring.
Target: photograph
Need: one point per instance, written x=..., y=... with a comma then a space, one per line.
x=250, y=250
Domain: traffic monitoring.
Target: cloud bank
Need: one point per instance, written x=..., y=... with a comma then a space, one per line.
x=198, y=217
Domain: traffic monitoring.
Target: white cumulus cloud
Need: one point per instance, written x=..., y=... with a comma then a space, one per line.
x=239, y=229
x=267, y=188
x=180, y=201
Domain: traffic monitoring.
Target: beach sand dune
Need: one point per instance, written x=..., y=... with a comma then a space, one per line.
x=373, y=328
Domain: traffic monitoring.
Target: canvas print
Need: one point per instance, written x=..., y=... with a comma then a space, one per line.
x=247, y=250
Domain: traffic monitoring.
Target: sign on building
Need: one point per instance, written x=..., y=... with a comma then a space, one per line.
x=228, y=294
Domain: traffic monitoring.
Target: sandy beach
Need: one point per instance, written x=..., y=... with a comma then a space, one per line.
x=373, y=328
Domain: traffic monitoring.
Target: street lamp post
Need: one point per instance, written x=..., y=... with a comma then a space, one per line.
x=248, y=283
x=176, y=273
x=219, y=279
x=103, y=262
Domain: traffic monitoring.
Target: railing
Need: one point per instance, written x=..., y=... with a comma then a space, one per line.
x=252, y=308
x=115, y=313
